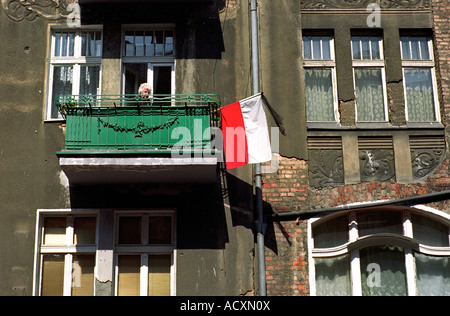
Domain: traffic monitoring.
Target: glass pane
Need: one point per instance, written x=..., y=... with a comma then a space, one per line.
x=149, y=46
x=429, y=232
x=415, y=49
x=375, y=45
x=129, y=276
x=139, y=42
x=319, y=94
x=98, y=44
x=433, y=275
x=331, y=233
x=326, y=49
x=83, y=275
x=62, y=85
x=369, y=95
x=55, y=231
x=159, y=43
x=406, y=52
x=168, y=50
x=162, y=79
x=419, y=94
x=423, y=43
x=52, y=275
x=383, y=271
x=373, y=222
x=307, y=49
x=356, y=47
x=365, y=45
x=317, y=52
x=333, y=276
x=130, y=230
x=84, y=230
x=89, y=80
x=160, y=230
x=159, y=275
x=129, y=43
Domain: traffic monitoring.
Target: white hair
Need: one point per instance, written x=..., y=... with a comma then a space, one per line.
x=143, y=86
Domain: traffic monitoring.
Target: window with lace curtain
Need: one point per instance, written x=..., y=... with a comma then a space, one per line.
x=369, y=79
x=75, y=65
x=320, y=77
x=419, y=79
x=380, y=252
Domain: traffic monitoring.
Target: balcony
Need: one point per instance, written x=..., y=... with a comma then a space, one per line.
x=131, y=139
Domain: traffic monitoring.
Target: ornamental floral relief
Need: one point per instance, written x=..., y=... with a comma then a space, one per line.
x=51, y=10
x=362, y=4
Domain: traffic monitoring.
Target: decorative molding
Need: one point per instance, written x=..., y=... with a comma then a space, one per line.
x=425, y=161
x=376, y=164
x=51, y=10
x=326, y=168
x=362, y=4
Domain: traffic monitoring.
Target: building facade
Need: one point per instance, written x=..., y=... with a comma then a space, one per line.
x=106, y=192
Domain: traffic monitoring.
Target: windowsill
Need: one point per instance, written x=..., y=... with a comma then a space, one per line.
x=374, y=125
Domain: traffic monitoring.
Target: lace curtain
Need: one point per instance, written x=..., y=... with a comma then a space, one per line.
x=319, y=94
x=369, y=95
x=333, y=276
x=433, y=275
x=62, y=85
x=419, y=95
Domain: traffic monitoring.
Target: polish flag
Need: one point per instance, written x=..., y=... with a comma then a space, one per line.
x=245, y=132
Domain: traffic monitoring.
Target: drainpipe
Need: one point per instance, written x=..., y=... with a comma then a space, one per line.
x=257, y=167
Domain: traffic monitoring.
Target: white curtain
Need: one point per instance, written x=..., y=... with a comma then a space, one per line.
x=369, y=95
x=319, y=94
x=433, y=275
x=419, y=95
x=333, y=276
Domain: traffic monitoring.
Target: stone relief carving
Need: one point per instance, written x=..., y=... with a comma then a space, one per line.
x=376, y=165
x=52, y=10
x=326, y=168
x=425, y=161
x=362, y=4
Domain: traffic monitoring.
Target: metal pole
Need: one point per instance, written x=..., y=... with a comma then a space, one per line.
x=257, y=167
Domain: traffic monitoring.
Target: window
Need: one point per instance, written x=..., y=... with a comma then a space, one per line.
x=369, y=79
x=320, y=78
x=148, y=56
x=67, y=255
x=75, y=65
x=419, y=79
x=68, y=246
x=144, y=244
x=380, y=252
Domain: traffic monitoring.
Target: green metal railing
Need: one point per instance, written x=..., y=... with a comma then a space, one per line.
x=133, y=122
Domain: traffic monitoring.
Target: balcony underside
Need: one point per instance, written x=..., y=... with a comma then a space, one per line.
x=101, y=169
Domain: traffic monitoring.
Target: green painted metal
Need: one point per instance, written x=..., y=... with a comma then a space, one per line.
x=131, y=122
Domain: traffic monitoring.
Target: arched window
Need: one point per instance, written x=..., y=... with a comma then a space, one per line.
x=380, y=251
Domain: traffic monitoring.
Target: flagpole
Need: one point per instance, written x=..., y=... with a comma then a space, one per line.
x=257, y=167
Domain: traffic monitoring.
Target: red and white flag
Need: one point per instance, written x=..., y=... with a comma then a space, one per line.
x=245, y=132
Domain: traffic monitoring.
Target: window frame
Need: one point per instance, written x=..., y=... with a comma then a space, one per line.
x=371, y=63
x=144, y=249
x=151, y=61
x=321, y=63
x=69, y=250
x=355, y=243
x=77, y=61
x=421, y=64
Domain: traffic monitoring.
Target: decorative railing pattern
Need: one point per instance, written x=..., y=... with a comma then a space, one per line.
x=134, y=122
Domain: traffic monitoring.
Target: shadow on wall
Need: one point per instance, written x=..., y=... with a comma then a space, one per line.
x=198, y=28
